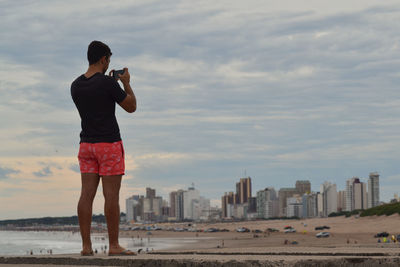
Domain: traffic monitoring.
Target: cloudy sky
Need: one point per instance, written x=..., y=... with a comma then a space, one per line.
x=277, y=90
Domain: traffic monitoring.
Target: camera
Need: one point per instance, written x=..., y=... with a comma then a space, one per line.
x=116, y=72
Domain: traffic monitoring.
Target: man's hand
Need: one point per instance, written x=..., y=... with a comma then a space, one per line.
x=125, y=77
x=129, y=103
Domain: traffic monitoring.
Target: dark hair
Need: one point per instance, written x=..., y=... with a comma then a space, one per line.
x=96, y=51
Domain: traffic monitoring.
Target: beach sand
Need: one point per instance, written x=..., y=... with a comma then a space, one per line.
x=347, y=235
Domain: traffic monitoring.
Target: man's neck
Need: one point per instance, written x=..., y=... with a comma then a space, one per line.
x=92, y=70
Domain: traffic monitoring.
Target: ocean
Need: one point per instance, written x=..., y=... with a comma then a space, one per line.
x=41, y=242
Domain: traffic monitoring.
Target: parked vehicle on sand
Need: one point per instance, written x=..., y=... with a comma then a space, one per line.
x=323, y=234
x=290, y=230
x=319, y=228
x=243, y=230
x=382, y=234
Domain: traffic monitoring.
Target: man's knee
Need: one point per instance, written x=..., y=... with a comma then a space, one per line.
x=111, y=187
x=87, y=195
x=90, y=182
x=111, y=196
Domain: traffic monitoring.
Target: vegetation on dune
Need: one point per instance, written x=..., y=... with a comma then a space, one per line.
x=344, y=213
x=386, y=209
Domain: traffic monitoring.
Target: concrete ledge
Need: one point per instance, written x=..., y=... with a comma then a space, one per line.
x=334, y=254
x=153, y=261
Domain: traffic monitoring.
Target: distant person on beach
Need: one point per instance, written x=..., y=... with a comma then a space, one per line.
x=101, y=152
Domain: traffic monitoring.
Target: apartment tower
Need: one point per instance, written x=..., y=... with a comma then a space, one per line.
x=373, y=190
x=243, y=190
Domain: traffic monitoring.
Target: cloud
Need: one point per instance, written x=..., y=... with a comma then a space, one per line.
x=75, y=168
x=60, y=187
x=10, y=76
x=6, y=172
x=43, y=172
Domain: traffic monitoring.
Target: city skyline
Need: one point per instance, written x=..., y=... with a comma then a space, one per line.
x=285, y=90
x=299, y=201
x=301, y=187
x=316, y=188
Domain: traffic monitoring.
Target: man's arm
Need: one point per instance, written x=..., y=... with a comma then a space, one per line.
x=129, y=103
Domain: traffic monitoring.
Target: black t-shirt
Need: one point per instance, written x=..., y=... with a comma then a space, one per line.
x=95, y=98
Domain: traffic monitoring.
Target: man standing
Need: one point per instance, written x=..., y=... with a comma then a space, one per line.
x=101, y=152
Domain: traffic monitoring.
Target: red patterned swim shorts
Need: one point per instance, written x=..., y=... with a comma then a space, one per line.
x=102, y=158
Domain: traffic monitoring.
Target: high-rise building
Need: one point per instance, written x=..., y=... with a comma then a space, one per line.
x=329, y=198
x=133, y=211
x=360, y=196
x=150, y=193
x=252, y=208
x=303, y=187
x=285, y=193
x=230, y=210
x=310, y=205
x=201, y=209
x=341, y=200
x=243, y=190
x=151, y=207
x=165, y=211
x=195, y=207
x=157, y=206
x=179, y=204
x=373, y=190
x=320, y=204
x=172, y=201
x=356, y=194
x=230, y=202
x=294, y=206
x=148, y=214
x=228, y=198
x=189, y=197
x=350, y=193
x=267, y=203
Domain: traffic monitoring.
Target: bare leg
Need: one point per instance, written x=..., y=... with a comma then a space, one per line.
x=90, y=182
x=111, y=186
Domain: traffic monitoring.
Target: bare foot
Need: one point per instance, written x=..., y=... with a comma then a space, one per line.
x=120, y=251
x=86, y=252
